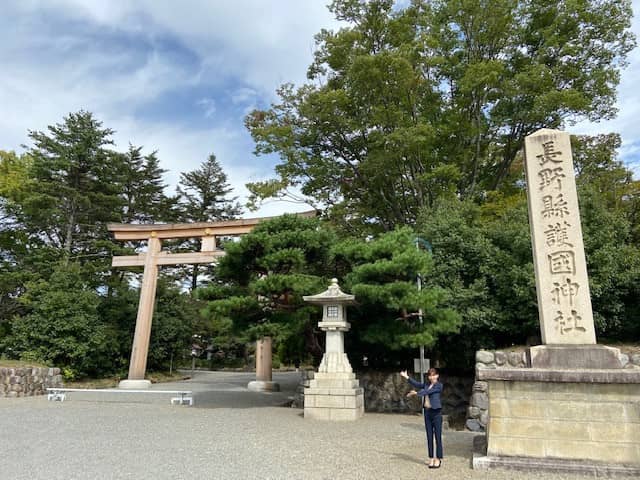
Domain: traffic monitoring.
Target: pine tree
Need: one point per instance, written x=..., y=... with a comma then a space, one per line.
x=203, y=194
x=74, y=189
x=202, y=197
x=382, y=274
x=143, y=189
x=262, y=280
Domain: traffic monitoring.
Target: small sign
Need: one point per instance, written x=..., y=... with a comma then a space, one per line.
x=416, y=365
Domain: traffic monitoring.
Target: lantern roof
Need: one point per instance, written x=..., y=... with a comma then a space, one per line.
x=332, y=295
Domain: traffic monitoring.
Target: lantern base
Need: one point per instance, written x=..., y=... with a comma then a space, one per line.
x=334, y=396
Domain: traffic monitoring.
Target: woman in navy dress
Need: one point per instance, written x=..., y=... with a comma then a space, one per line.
x=432, y=412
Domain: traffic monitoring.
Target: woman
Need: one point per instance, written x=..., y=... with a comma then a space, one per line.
x=432, y=412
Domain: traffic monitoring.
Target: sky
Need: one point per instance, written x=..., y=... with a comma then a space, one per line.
x=179, y=77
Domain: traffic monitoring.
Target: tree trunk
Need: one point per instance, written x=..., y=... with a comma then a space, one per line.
x=194, y=278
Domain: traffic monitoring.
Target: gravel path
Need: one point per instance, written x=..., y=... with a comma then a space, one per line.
x=230, y=433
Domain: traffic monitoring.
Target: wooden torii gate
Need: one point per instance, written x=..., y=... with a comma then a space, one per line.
x=154, y=257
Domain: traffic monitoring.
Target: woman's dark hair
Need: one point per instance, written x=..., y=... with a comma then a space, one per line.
x=432, y=371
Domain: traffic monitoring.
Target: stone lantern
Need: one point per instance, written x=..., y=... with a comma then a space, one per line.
x=334, y=393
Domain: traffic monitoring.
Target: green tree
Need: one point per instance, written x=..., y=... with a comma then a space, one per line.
x=74, y=190
x=482, y=258
x=203, y=194
x=262, y=279
x=62, y=327
x=13, y=178
x=143, y=189
x=203, y=197
x=382, y=274
x=174, y=321
x=435, y=98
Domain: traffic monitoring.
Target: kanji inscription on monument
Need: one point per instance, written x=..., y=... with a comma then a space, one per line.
x=564, y=301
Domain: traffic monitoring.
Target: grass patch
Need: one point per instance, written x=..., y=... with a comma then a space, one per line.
x=112, y=382
x=20, y=364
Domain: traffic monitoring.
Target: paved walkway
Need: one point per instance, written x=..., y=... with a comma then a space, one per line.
x=231, y=433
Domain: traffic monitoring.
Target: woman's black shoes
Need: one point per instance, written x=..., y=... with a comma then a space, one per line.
x=436, y=466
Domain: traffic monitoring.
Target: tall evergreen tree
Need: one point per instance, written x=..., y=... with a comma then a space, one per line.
x=74, y=188
x=203, y=192
x=202, y=197
x=143, y=189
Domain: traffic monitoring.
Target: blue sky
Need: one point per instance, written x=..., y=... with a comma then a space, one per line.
x=179, y=77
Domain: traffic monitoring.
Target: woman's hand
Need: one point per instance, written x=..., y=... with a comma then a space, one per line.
x=404, y=374
x=412, y=393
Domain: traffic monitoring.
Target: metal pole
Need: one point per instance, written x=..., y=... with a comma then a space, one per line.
x=419, y=281
x=421, y=346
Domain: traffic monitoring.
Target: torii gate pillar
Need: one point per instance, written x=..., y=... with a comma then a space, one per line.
x=142, y=335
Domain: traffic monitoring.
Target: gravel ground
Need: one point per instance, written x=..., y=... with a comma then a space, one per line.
x=230, y=433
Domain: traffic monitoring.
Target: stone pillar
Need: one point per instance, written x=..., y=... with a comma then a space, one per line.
x=140, y=349
x=562, y=285
x=264, y=359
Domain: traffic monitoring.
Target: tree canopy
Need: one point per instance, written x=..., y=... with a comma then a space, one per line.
x=435, y=98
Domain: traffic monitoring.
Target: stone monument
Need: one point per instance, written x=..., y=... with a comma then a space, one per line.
x=334, y=393
x=575, y=406
x=264, y=361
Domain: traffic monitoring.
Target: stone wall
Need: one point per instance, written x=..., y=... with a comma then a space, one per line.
x=385, y=392
x=28, y=381
x=577, y=415
x=477, y=413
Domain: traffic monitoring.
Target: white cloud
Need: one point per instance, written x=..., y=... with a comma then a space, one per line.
x=244, y=95
x=208, y=105
x=260, y=43
x=60, y=56
x=51, y=70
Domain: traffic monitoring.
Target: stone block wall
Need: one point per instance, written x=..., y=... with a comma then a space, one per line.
x=477, y=413
x=385, y=392
x=28, y=381
x=597, y=421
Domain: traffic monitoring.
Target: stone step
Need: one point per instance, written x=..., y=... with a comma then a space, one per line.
x=334, y=376
x=334, y=391
x=334, y=383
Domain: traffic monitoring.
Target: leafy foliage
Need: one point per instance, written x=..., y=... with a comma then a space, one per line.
x=262, y=280
x=434, y=98
x=382, y=274
x=60, y=301
x=62, y=327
